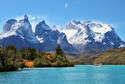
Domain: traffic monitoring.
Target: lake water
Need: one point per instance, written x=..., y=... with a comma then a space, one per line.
x=82, y=74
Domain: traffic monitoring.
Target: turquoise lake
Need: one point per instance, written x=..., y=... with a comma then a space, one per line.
x=81, y=74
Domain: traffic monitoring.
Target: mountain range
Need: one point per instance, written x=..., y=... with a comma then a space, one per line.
x=77, y=36
x=92, y=36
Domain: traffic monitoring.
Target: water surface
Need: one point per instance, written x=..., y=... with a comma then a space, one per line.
x=81, y=74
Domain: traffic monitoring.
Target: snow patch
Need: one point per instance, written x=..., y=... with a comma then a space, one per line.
x=40, y=39
x=121, y=46
x=69, y=32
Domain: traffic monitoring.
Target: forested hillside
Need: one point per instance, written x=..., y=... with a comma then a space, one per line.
x=12, y=59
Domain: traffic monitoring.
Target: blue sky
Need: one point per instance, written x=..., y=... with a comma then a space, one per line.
x=60, y=12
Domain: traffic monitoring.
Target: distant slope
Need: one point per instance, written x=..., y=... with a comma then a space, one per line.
x=83, y=59
x=84, y=53
x=109, y=57
x=112, y=57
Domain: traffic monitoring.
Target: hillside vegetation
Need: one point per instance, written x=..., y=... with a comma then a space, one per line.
x=109, y=57
x=112, y=57
x=83, y=60
x=84, y=53
x=12, y=59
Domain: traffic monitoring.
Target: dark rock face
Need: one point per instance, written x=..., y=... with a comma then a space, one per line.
x=43, y=32
x=49, y=37
x=24, y=29
x=111, y=41
x=16, y=40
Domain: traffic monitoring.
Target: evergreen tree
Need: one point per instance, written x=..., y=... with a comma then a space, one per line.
x=59, y=51
x=28, y=53
x=12, y=47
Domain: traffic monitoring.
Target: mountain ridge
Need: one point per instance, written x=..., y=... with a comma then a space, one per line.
x=77, y=36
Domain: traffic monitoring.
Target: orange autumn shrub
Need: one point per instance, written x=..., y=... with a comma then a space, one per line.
x=53, y=63
x=46, y=55
x=28, y=63
x=50, y=55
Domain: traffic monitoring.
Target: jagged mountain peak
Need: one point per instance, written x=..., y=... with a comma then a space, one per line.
x=85, y=24
x=42, y=25
x=45, y=34
x=75, y=22
x=21, y=28
x=8, y=25
x=86, y=34
x=25, y=19
x=11, y=21
x=43, y=22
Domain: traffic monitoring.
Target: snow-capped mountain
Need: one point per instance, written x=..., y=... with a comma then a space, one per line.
x=21, y=28
x=8, y=25
x=46, y=35
x=20, y=34
x=92, y=35
x=78, y=35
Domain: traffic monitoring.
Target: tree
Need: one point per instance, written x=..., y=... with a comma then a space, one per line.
x=33, y=53
x=59, y=51
x=12, y=47
x=10, y=59
x=28, y=53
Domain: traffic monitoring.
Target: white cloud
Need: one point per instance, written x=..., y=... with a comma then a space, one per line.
x=38, y=16
x=66, y=5
x=33, y=18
